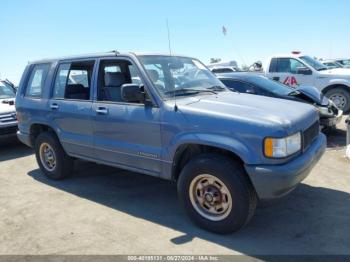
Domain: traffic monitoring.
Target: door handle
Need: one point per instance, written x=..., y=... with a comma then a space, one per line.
x=102, y=111
x=276, y=78
x=54, y=106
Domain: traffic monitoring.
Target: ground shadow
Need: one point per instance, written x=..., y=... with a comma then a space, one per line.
x=311, y=220
x=336, y=138
x=12, y=149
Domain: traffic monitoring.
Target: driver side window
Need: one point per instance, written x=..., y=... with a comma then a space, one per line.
x=295, y=65
x=289, y=65
x=239, y=86
x=113, y=74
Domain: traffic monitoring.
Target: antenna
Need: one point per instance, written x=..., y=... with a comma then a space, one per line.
x=169, y=42
x=169, y=45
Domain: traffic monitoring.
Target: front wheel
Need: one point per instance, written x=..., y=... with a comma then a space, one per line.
x=216, y=193
x=340, y=97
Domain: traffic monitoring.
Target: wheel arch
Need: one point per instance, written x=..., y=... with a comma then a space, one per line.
x=187, y=151
x=37, y=128
x=338, y=85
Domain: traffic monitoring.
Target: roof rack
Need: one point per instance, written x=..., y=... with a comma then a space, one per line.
x=115, y=52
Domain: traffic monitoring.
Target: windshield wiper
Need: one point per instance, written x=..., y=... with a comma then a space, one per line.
x=216, y=88
x=294, y=93
x=188, y=91
x=322, y=69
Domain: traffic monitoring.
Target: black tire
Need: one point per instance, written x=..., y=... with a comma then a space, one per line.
x=63, y=163
x=342, y=92
x=234, y=177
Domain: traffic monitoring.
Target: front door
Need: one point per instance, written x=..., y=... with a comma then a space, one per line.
x=287, y=71
x=125, y=134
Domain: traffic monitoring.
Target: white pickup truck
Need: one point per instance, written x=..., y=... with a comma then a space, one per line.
x=8, y=120
x=296, y=69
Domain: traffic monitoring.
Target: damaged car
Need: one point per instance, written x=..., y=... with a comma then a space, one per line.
x=250, y=83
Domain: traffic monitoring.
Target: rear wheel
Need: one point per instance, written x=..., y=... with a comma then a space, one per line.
x=216, y=193
x=340, y=97
x=52, y=159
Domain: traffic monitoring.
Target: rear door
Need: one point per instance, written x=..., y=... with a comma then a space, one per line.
x=70, y=107
x=125, y=134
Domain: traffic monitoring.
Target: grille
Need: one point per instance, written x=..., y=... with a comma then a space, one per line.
x=6, y=118
x=310, y=134
x=8, y=130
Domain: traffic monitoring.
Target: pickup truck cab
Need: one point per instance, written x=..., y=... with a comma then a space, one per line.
x=296, y=69
x=169, y=117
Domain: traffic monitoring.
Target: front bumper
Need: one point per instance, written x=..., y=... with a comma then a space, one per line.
x=273, y=181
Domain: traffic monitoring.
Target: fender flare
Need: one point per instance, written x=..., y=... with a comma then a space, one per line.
x=334, y=83
x=219, y=141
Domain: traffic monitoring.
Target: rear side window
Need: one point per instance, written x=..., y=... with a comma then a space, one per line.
x=273, y=65
x=61, y=81
x=285, y=65
x=222, y=70
x=73, y=81
x=239, y=86
x=36, y=80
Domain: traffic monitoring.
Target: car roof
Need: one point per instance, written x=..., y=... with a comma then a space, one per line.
x=328, y=61
x=102, y=54
x=240, y=75
x=287, y=55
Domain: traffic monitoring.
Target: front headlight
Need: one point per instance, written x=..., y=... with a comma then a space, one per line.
x=282, y=147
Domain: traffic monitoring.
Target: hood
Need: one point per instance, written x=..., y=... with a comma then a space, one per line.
x=6, y=107
x=259, y=110
x=345, y=72
x=313, y=94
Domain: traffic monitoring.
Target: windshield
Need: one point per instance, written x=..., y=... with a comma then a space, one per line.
x=180, y=76
x=313, y=63
x=271, y=86
x=6, y=91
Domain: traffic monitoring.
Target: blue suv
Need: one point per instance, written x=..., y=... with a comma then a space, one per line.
x=169, y=117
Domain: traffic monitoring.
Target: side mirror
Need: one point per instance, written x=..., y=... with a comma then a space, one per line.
x=132, y=93
x=304, y=71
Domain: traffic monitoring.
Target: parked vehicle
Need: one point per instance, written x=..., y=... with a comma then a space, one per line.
x=224, y=67
x=8, y=121
x=8, y=83
x=331, y=64
x=250, y=83
x=152, y=114
x=298, y=70
x=344, y=62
